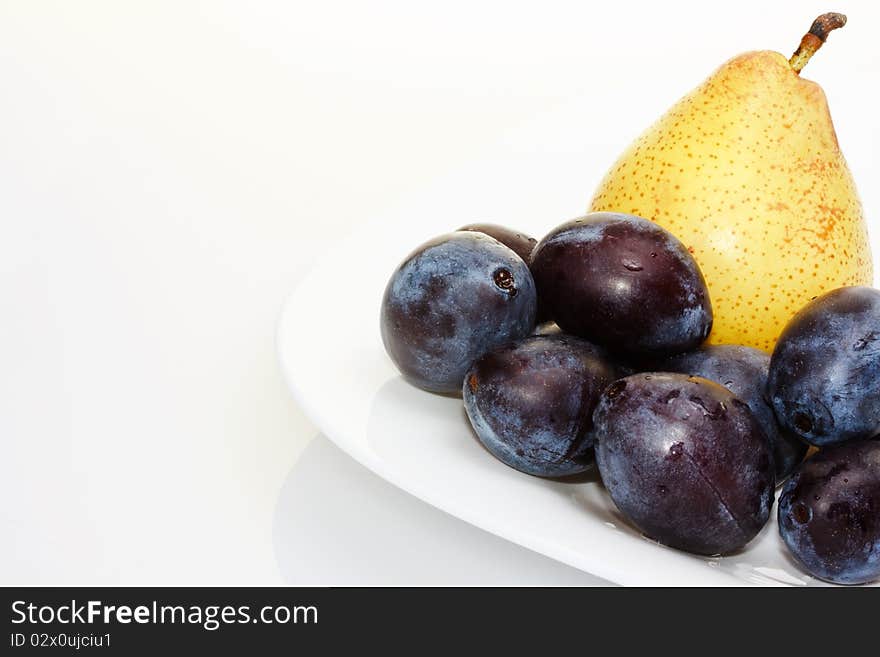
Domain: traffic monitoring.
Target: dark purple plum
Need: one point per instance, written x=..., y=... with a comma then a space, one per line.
x=829, y=513
x=531, y=402
x=449, y=302
x=623, y=282
x=685, y=460
x=824, y=381
x=743, y=371
x=518, y=242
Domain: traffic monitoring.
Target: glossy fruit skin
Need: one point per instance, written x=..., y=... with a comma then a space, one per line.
x=517, y=241
x=746, y=170
x=829, y=513
x=743, y=371
x=824, y=381
x=449, y=302
x=685, y=460
x=531, y=402
x=624, y=283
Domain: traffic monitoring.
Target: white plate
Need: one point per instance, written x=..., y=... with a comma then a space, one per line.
x=332, y=357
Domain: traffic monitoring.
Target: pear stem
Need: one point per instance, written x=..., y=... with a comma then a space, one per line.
x=814, y=39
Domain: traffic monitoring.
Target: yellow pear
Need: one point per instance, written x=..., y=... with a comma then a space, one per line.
x=747, y=172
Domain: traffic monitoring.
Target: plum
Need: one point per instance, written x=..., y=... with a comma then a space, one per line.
x=829, y=513
x=451, y=300
x=824, y=380
x=623, y=282
x=531, y=402
x=685, y=461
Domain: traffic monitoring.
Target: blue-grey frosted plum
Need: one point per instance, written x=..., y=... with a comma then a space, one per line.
x=449, y=302
x=824, y=381
x=829, y=513
x=743, y=371
x=685, y=460
x=531, y=402
x=623, y=282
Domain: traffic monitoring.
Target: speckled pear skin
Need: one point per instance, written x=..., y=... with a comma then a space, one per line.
x=747, y=172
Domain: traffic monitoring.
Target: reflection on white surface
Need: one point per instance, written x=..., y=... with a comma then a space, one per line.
x=337, y=523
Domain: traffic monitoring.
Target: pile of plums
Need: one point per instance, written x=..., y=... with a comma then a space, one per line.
x=689, y=439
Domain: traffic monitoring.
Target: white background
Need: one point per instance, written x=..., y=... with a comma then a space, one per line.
x=169, y=170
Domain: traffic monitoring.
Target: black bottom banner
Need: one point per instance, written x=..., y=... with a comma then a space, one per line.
x=135, y=621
